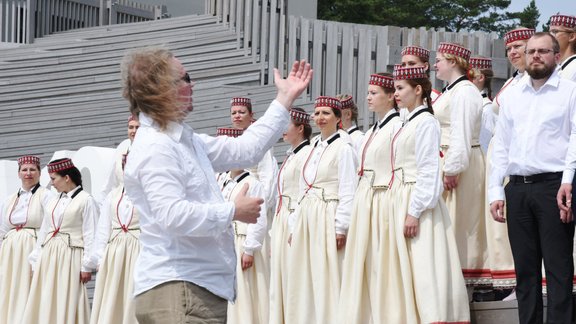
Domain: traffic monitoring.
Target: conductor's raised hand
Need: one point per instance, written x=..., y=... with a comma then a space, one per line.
x=297, y=81
x=247, y=209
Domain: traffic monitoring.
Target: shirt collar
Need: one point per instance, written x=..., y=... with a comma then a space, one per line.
x=417, y=109
x=327, y=141
x=552, y=81
x=70, y=193
x=173, y=130
x=298, y=147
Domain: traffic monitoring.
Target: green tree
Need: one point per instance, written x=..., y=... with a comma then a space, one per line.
x=453, y=15
x=527, y=17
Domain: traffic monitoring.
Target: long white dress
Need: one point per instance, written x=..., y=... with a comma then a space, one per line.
x=61, y=253
x=20, y=220
x=288, y=188
x=327, y=189
x=116, y=249
x=499, y=253
x=362, y=299
x=431, y=287
x=252, y=297
x=459, y=111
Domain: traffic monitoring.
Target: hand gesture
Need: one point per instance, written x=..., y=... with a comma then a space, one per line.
x=564, y=200
x=247, y=209
x=497, y=211
x=340, y=241
x=411, y=225
x=297, y=81
x=247, y=261
x=85, y=277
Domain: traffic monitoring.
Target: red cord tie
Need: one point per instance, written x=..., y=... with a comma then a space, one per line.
x=55, y=232
x=441, y=154
x=19, y=227
x=124, y=228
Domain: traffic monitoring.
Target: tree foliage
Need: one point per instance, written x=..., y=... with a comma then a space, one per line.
x=453, y=15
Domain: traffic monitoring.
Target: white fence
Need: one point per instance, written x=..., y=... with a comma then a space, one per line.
x=343, y=55
x=23, y=20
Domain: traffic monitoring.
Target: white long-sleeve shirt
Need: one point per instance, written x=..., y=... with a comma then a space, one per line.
x=428, y=187
x=89, y=220
x=257, y=231
x=535, y=133
x=186, y=225
x=488, y=122
x=20, y=212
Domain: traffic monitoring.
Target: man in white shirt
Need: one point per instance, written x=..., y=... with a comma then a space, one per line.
x=535, y=144
x=186, y=268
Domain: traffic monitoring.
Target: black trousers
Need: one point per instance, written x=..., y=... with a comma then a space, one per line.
x=536, y=233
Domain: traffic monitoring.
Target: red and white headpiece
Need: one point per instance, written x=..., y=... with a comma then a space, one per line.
x=60, y=165
x=454, y=49
x=481, y=63
x=408, y=73
x=563, y=20
x=518, y=34
x=28, y=159
x=132, y=117
x=383, y=81
x=300, y=116
x=416, y=51
x=331, y=102
x=347, y=103
x=227, y=131
x=240, y=101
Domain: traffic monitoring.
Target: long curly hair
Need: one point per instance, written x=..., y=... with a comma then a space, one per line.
x=150, y=84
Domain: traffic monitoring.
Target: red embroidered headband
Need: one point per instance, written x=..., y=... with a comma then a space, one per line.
x=454, y=49
x=416, y=51
x=239, y=101
x=28, y=159
x=331, y=102
x=300, y=116
x=381, y=81
x=61, y=165
x=563, y=20
x=347, y=103
x=408, y=73
x=518, y=34
x=231, y=132
x=481, y=63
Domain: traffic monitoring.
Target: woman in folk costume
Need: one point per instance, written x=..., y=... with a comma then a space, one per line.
x=413, y=56
x=116, y=176
x=298, y=136
x=266, y=171
x=61, y=259
x=350, y=119
x=430, y=287
x=563, y=27
x=500, y=260
x=319, y=224
x=116, y=249
x=20, y=220
x=459, y=111
x=482, y=74
x=252, y=270
x=364, y=284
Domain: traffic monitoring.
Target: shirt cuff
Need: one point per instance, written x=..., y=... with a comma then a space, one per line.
x=250, y=252
x=568, y=176
x=342, y=231
x=496, y=193
x=413, y=212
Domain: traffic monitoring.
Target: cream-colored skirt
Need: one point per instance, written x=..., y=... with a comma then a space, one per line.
x=278, y=265
x=56, y=294
x=114, y=292
x=365, y=283
x=499, y=253
x=466, y=205
x=15, y=273
x=314, y=264
x=432, y=287
x=252, y=296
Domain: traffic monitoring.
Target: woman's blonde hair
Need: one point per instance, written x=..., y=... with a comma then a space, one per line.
x=461, y=63
x=150, y=81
